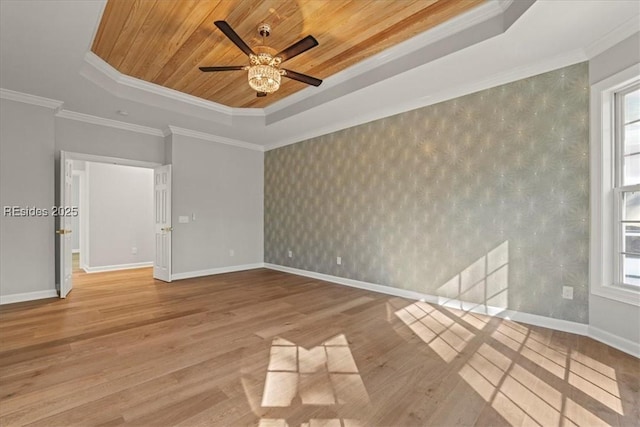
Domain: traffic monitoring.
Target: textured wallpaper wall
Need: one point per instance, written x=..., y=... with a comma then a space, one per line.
x=483, y=198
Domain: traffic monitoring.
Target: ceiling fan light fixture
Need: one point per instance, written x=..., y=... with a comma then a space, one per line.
x=264, y=74
x=264, y=78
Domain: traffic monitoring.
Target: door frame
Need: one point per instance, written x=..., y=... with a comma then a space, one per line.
x=84, y=242
x=112, y=160
x=64, y=247
x=83, y=207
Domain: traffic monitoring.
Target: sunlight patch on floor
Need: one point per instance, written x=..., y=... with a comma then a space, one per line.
x=315, y=422
x=520, y=397
x=518, y=394
x=443, y=334
x=593, y=382
x=324, y=376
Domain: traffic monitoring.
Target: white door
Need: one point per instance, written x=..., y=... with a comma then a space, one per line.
x=162, y=213
x=63, y=213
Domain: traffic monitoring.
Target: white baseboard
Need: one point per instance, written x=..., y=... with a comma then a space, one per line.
x=28, y=296
x=622, y=344
x=104, y=268
x=212, y=271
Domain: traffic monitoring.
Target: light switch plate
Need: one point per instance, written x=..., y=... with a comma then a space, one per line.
x=183, y=219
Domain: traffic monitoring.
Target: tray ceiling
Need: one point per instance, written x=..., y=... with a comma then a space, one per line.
x=164, y=42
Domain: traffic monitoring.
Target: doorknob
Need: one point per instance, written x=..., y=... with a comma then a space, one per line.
x=167, y=229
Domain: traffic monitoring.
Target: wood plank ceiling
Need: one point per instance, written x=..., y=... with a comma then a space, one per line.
x=165, y=41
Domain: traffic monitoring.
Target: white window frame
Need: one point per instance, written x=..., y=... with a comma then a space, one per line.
x=604, y=269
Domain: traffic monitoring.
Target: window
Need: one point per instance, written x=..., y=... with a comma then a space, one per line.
x=615, y=187
x=627, y=191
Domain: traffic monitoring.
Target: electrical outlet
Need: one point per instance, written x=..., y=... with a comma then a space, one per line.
x=339, y=260
x=567, y=292
x=232, y=252
x=134, y=251
x=290, y=254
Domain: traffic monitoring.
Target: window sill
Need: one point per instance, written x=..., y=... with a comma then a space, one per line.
x=617, y=293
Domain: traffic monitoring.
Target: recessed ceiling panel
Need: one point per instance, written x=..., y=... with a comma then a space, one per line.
x=164, y=42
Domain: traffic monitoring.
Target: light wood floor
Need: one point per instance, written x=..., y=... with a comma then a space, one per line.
x=272, y=349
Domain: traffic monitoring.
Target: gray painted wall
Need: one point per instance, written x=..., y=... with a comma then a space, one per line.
x=609, y=315
x=87, y=138
x=223, y=186
x=120, y=214
x=483, y=198
x=26, y=179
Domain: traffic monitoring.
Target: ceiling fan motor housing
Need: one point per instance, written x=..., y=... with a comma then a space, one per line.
x=264, y=29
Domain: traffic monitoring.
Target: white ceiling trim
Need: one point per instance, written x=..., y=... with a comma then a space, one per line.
x=104, y=75
x=53, y=104
x=158, y=111
x=509, y=76
x=26, y=98
x=128, y=81
x=619, y=34
x=87, y=118
x=96, y=25
x=211, y=138
x=475, y=26
x=459, y=23
x=504, y=4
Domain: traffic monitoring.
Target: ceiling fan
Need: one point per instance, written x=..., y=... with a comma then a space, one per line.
x=264, y=63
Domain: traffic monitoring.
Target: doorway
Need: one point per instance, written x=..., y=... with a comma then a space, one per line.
x=118, y=220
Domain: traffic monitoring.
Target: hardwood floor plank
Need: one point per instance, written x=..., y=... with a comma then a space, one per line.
x=124, y=349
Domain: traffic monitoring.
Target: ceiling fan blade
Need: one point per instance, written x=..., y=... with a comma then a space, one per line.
x=302, y=77
x=223, y=68
x=234, y=37
x=260, y=94
x=298, y=47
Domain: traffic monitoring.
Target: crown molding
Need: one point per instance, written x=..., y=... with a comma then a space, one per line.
x=127, y=81
x=458, y=23
x=522, y=72
x=504, y=4
x=87, y=118
x=104, y=75
x=96, y=25
x=96, y=70
x=474, y=26
x=121, y=85
x=174, y=130
x=132, y=82
x=26, y=98
x=614, y=37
